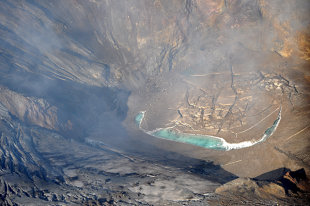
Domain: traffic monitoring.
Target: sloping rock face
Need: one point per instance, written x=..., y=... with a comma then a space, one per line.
x=73, y=75
x=292, y=183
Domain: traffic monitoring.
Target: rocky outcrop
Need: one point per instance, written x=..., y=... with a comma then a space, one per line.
x=291, y=184
x=30, y=110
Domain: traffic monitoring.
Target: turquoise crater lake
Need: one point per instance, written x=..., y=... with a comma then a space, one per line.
x=206, y=141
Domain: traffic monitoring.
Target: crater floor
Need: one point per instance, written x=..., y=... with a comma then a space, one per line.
x=74, y=75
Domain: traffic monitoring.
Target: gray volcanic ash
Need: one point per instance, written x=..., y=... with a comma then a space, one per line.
x=227, y=75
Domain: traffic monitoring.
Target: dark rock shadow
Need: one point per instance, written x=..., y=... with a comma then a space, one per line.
x=273, y=175
x=292, y=181
x=155, y=155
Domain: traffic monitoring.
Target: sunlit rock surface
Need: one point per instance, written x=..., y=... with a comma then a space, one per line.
x=74, y=75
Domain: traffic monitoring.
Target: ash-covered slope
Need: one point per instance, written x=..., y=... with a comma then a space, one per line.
x=74, y=74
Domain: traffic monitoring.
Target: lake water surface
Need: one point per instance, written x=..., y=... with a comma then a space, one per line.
x=206, y=141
